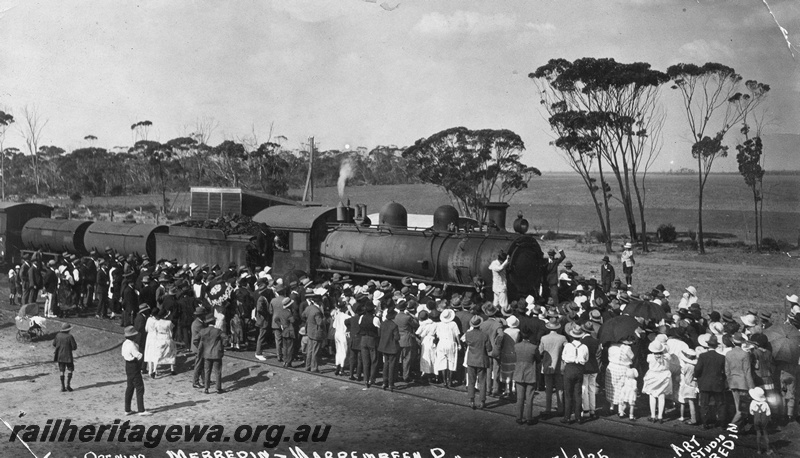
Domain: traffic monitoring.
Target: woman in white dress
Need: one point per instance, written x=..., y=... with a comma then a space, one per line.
x=160, y=348
x=340, y=335
x=447, y=348
x=426, y=332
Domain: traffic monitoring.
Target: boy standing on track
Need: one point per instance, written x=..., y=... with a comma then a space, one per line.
x=65, y=344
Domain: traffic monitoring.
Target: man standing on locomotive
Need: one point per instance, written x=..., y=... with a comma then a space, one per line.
x=499, y=282
x=551, y=269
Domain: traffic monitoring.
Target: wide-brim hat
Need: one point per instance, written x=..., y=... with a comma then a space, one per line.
x=717, y=328
x=576, y=332
x=489, y=309
x=605, y=258
x=764, y=316
x=199, y=311
x=522, y=307
x=475, y=322
x=448, y=315
x=66, y=327
x=596, y=316
x=657, y=346
x=130, y=331
x=144, y=306
x=793, y=298
x=437, y=292
x=512, y=321
x=627, y=245
x=287, y=302
x=568, y=264
x=406, y=281
x=551, y=251
x=688, y=355
x=757, y=394
x=306, y=282
x=727, y=317
x=553, y=323
x=748, y=320
x=385, y=286
x=691, y=290
x=708, y=341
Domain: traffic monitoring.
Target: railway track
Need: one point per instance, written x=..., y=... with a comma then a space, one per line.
x=640, y=432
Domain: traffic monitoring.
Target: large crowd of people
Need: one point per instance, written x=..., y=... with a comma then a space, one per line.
x=593, y=344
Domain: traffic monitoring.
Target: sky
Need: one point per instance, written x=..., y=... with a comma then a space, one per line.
x=364, y=73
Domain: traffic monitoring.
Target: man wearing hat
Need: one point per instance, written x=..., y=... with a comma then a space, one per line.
x=574, y=355
x=738, y=372
x=50, y=284
x=568, y=270
x=25, y=278
x=284, y=320
x=186, y=307
x=101, y=288
x=210, y=344
x=607, y=274
x=65, y=344
x=711, y=382
x=627, y=263
x=89, y=279
x=550, y=349
x=499, y=281
x=198, y=324
x=477, y=357
x=264, y=296
x=551, y=271
x=140, y=324
x=590, y=369
x=369, y=329
x=315, y=328
x=407, y=326
x=130, y=299
x=133, y=371
x=389, y=347
x=493, y=328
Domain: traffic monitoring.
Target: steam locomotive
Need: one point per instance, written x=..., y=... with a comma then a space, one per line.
x=315, y=240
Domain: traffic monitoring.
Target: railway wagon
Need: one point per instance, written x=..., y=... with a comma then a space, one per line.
x=13, y=216
x=201, y=246
x=123, y=238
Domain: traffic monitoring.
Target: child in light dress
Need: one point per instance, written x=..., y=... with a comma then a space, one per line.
x=688, y=389
x=628, y=393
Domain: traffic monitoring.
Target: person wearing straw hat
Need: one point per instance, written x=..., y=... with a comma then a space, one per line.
x=628, y=262
x=738, y=372
x=525, y=374
x=507, y=356
x=550, y=349
x=64, y=344
x=133, y=365
x=590, y=370
x=574, y=356
x=369, y=330
x=446, y=332
x=476, y=360
x=710, y=375
x=687, y=393
x=759, y=409
x=407, y=325
x=315, y=328
x=657, y=380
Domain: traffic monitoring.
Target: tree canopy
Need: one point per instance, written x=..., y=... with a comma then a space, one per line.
x=472, y=166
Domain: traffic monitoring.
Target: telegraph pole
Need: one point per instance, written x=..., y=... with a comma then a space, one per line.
x=308, y=192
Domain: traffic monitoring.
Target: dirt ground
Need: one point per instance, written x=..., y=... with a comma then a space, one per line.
x=412, y=419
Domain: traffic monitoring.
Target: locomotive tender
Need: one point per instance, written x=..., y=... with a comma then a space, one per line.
x=315, y=240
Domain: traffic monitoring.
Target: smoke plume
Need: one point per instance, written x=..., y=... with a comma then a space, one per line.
x=345, y=173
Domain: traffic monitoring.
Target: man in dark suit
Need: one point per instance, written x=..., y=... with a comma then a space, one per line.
x=551, y=271
x=407, y=326
x=353, y=329
x=389, y=347
x=276, y=307
x=210, y=344
x=369, y=330
x=478, y=349
x=130, y=300
x=525, y=374
x=315, y=329
x=590, y=370
x=710, y=375
x=198, y=325
x=607, y=274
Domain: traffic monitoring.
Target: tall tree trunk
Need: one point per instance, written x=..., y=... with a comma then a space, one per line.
x=755, y=215
x=607, y=227
x=640, y=202
x=701, y=248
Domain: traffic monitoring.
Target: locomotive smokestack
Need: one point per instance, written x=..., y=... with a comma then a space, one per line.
x=496, y=216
